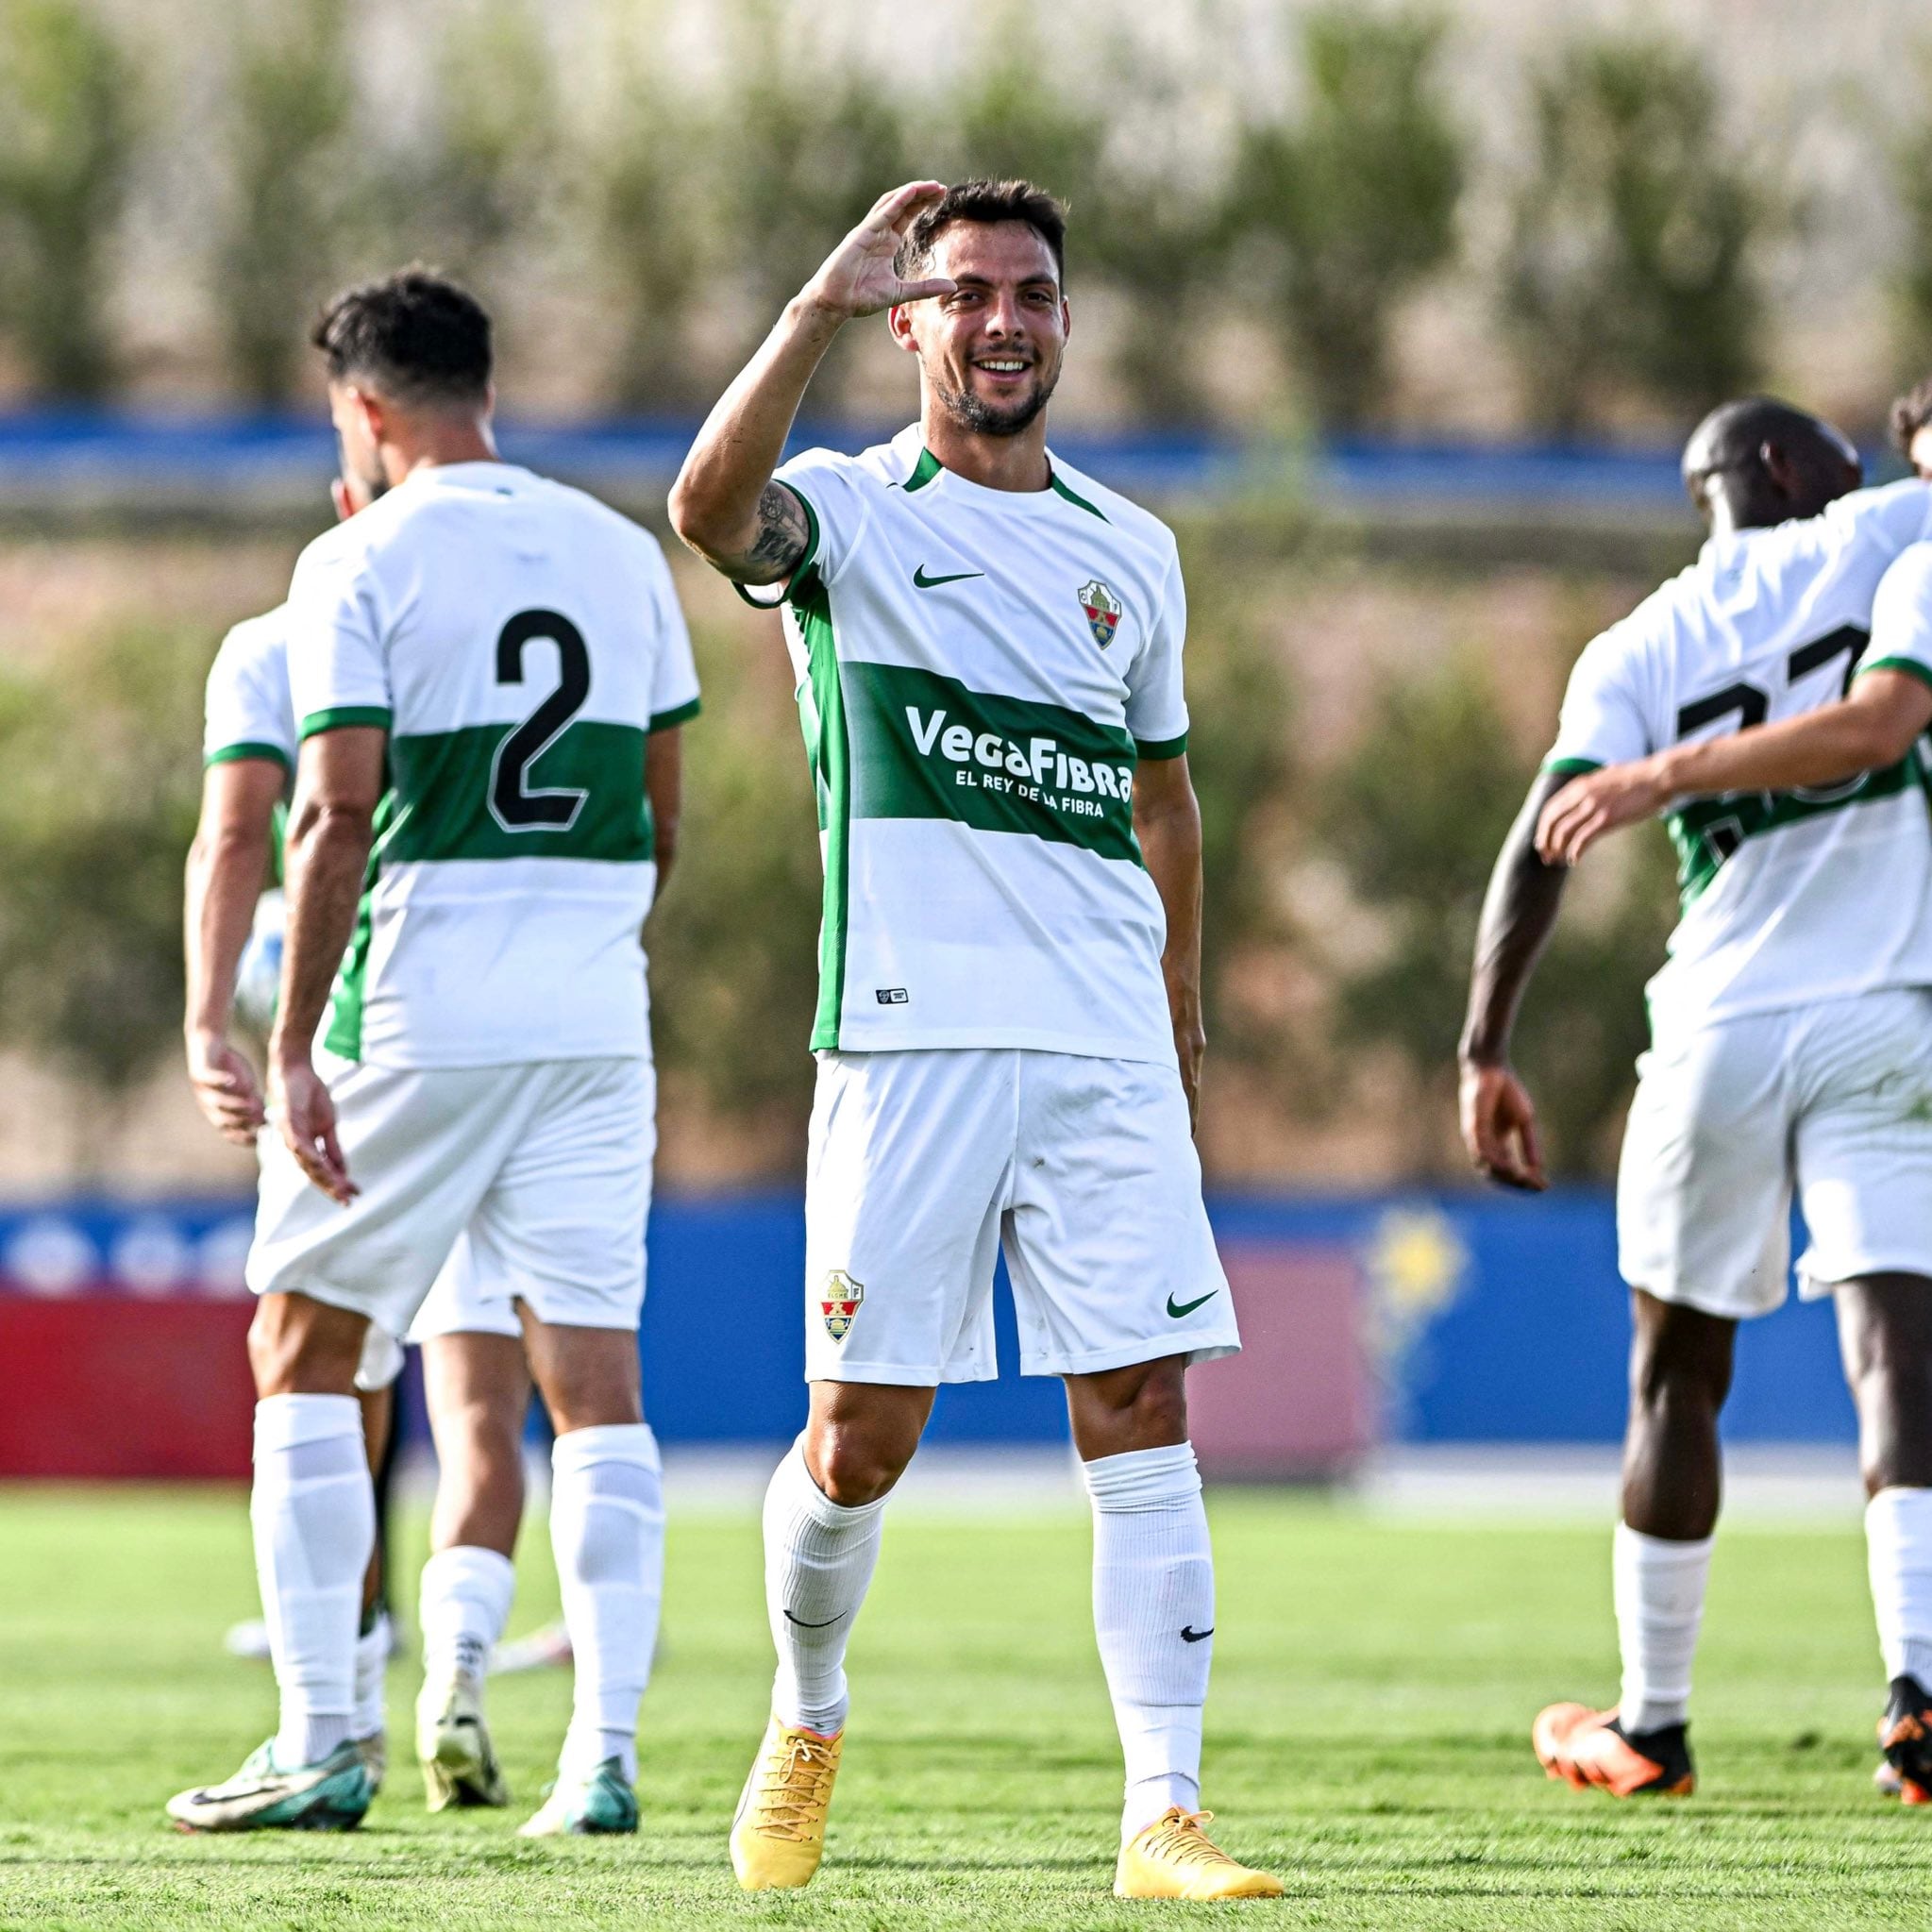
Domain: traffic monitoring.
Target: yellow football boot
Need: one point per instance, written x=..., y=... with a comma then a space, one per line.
x=1175, y=1857
x=777, y=1836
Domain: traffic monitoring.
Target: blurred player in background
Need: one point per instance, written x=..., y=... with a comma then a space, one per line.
x=988, y=653
x=1791, y=1034
x=249, y=747
x=479, y=661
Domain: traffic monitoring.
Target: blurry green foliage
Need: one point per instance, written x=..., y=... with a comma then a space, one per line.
x=734, y=947
x=1911, y=174
x=67, y=130
x=484, y=174
x=801, y=146
x=1631, y=261
x=103, y=785
x=1353, y=200
x=635, y=166
x=294, y=174
x=1415, y=816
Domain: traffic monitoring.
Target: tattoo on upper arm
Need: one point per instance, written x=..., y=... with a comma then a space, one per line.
x=783, y=532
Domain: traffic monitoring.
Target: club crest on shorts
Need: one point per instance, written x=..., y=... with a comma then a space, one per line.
x=1102, y=609
x=838, y=1301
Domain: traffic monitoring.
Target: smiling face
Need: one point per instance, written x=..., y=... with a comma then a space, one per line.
x=990, y=352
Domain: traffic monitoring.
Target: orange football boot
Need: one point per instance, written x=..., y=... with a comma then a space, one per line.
x=1905, y=1736
x=1591, y=1750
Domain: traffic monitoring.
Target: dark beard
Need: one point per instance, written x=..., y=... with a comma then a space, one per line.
x=972, y=413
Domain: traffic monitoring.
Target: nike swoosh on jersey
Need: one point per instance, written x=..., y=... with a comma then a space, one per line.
x=921, y=581
x=1188, y=1308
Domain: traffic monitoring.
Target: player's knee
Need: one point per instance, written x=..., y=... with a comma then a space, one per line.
x=854, y=1468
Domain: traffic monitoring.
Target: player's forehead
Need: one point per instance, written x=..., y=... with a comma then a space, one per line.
x=1001, y=254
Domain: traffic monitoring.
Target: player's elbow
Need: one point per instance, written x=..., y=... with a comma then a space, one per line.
x=333, y=824
x=695, y=518
x=1887, y=738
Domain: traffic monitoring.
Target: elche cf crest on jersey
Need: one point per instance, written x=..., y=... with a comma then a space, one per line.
x=1788, y=898
x=979, y=674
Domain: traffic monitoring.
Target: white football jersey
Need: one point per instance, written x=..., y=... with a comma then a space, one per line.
x=518, y=642
x=248, y=712
x=978, y=671
x=1792, y=896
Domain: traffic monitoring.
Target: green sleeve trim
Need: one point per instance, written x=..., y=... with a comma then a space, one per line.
x=233, y=754
x=346, y=715
x=677, y=714
x=798, y=570
x=1091, y=509
x=1159, y=748
x=1571, y=767
x=1910, y=666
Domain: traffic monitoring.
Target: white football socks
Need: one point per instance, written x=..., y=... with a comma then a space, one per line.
x=313, y=1509
x=463, y=1606
x=606, y=1528
x=1658, y=1589
x=1154, y=1615
x=1898, y=1543
x=371, y=1676
x=818, y=1560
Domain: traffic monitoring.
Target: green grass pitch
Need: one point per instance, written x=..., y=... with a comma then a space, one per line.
x=1373, y=1686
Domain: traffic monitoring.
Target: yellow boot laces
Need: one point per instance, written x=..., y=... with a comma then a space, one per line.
x=1179, y=1837
x=794, y=1793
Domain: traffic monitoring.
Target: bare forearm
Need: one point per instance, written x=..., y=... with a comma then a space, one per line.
x=226, y=870
x=720, y=504
x=328, y=855
x=1170, y=845
x=1819, y=749
x=1518, y=914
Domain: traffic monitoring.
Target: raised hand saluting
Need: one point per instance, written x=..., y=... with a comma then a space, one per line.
x=858, y=276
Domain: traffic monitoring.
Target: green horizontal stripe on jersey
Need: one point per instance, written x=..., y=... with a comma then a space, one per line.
x=677, y=714
x=924, y=745
x=1161, y=747
x=1708, y=832
x=1910, y=666
x=1570, y=767
x=346, y=715
x=232, y=754
x=443, y=782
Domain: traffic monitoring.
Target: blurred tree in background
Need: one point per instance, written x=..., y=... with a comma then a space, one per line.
x=677, y=198
x=1353, y=201
x=1631, y=259
x=802, y=147
x=103, y=786
x=67, y=128
x=647, y=226
x=1415, y=815
x=296, y=175
x=484, y=171
x=1912, y=279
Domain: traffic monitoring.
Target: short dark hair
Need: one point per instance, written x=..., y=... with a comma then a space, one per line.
x=1911, y=413
x=415, y=337
x=981, y=200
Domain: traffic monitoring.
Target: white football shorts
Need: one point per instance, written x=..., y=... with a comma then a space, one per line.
x=498, y=1184
x=923, y=1163
x=1834, y=1100
x=463, y=1300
